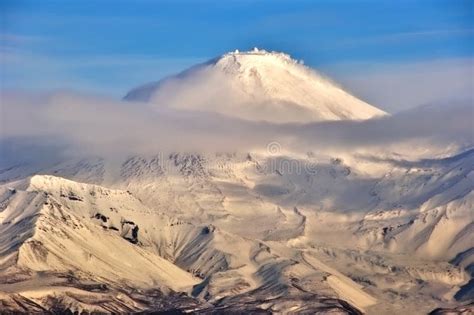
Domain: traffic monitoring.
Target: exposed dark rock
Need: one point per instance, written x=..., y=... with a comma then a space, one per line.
x=460, y=310
x=130, y=231
x=71, y=196
x=208, y=229
x=100, y=216
x=466, y=293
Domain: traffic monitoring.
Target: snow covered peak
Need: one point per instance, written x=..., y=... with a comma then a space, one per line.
x=256, y=85
x=258, y=54
x=238, y=61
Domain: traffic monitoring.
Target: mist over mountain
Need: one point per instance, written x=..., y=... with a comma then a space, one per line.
x=250, y=183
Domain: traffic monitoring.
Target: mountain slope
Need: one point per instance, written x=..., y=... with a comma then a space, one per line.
x=68, y=245
x=52, y=228
x=244, y=232
x=256, y=85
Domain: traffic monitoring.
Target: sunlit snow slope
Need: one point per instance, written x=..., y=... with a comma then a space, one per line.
x=240, y=233
x=265, y=231
x=256, y=85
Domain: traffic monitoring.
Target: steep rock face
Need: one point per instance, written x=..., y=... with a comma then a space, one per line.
x=256, y=85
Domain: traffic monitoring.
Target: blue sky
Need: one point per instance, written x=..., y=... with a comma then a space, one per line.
x=108, y=47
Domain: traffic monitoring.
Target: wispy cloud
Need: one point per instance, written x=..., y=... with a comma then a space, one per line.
x=399, y=86
x=438, y=32
x=7, y=39
x=84, y=125
x=103, y=74
x=405, y=36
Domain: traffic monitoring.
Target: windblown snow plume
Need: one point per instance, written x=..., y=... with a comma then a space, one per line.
x=246, y=184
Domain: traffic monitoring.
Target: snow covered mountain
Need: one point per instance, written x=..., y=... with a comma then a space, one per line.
x=256, y=85
x=249, y=231
x=237, y=232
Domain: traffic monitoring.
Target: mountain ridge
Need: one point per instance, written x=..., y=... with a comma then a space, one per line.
x=243, y=230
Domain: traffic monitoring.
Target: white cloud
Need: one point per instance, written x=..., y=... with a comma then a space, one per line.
x=77, y=124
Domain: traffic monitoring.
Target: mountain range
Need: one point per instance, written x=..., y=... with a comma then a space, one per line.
x=255, y=231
